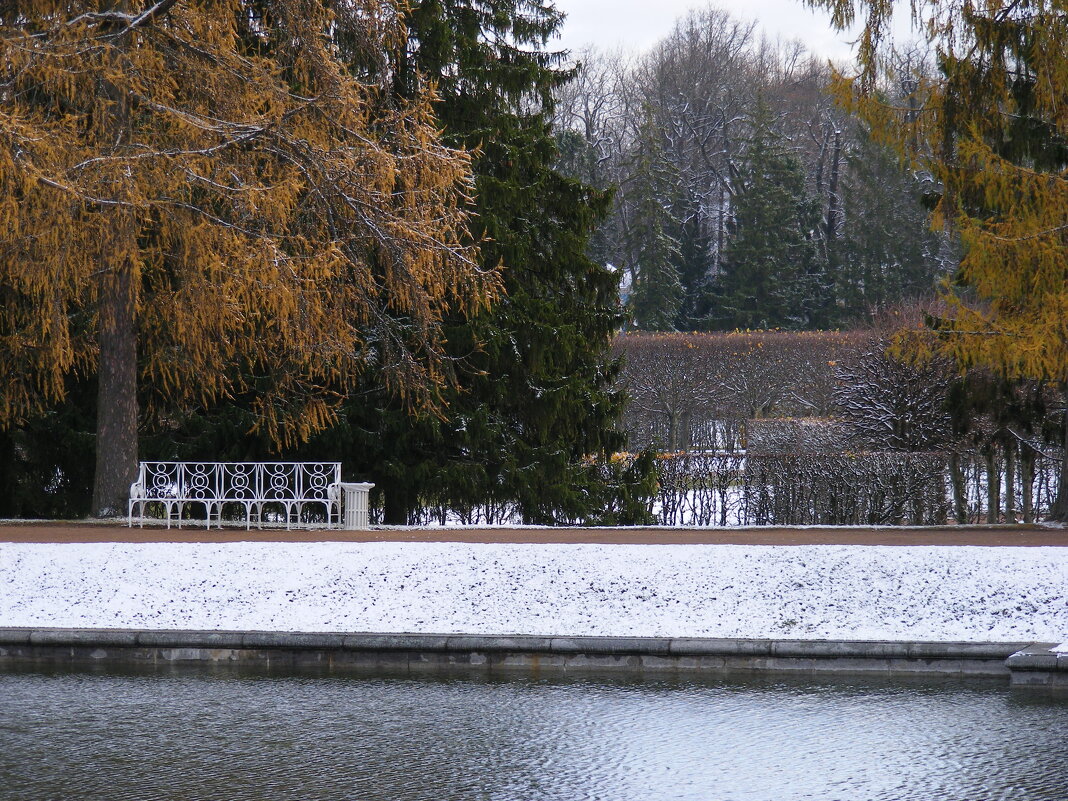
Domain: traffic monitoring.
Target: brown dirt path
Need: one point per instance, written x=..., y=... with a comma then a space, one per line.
x=60, y=532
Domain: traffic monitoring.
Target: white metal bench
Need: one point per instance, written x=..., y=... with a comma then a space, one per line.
x=289, y=486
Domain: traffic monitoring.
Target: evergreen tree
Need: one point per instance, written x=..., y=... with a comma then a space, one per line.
x=887, y=251
x=771, y=274
x=46, y=464
x=534, y=373
x=693, y=265
x=656, y=291
x=578, y=160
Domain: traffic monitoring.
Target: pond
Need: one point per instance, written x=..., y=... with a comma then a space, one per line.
x=234, y=736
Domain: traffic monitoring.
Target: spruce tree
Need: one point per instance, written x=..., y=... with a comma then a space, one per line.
x=693, y=263
x=887, y=251
x=656, y=294
x=533, y=397
x=771, y=273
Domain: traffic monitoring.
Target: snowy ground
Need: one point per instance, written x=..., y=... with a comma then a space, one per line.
x=812, y=592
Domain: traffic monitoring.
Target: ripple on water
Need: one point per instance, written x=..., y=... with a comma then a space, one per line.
x=235, y=738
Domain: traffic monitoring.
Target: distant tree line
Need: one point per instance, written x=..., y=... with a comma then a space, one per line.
x=744, y=197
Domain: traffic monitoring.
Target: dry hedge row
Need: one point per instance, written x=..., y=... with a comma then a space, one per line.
x=695, y=391
x=887, y=488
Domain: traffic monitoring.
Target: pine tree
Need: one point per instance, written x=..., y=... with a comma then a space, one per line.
x=535, y=373
x=201, y=201
x=771, y=275
x=993, y=131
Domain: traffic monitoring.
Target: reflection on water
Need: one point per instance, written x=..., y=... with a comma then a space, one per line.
x=237, y=737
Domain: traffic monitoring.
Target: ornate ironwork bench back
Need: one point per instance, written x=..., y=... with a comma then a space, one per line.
x=289, y=485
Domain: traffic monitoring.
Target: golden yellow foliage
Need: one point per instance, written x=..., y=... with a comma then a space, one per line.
x=992, y=129
x=280, y=223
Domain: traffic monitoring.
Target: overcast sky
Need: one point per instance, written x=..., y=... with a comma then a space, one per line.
x=638, y=24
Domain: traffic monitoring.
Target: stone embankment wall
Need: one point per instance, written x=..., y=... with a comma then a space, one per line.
x=1031, y=664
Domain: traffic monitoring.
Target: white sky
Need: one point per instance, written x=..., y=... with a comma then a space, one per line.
x=639, y=24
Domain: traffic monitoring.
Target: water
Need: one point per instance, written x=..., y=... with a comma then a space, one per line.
x=240, y=737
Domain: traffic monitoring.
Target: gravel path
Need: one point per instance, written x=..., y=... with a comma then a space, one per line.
x=1003, y=535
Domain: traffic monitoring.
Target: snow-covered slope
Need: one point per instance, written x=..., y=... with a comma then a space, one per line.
x=833, y=592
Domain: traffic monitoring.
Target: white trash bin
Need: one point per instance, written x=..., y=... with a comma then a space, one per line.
x=354, y=505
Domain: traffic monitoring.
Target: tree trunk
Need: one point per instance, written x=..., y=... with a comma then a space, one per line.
x=960, y=504
x=10, y=497
x=116, y=415
x=1027, y=477
x=116, y=331
x=834, y=202
x=993, y=487
x=721, y=230
x=1010, y=482
x=1059, y=509
x=396, y=506
x=724, y=199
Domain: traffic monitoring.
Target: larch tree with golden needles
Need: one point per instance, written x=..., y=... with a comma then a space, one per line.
x=992, y=128
x=199, y=198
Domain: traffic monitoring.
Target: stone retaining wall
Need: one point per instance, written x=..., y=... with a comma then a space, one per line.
x=1024, y=663
x=1038, y=666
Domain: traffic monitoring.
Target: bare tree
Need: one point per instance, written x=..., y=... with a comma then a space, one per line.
x=893, y=404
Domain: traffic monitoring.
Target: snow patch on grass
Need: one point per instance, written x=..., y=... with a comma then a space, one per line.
x=802, y=592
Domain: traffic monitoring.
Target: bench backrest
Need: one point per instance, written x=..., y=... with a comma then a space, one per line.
x=239, y=481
